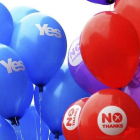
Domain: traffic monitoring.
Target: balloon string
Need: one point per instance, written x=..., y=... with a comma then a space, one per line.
x=18, y=126
x=36, y=126
x=15, y=129
x=40, y=99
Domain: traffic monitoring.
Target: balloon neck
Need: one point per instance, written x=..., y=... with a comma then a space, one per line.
x=110, y=1
x=56, y=137
x=120, y=88
x=40, y=88
x=14, y=121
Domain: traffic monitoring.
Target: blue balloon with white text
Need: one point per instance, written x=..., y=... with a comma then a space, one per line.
x=41, y=42
x=57, y=96
x=6, y=130
x=6, y=25
x=13, y=85
x=23, y=10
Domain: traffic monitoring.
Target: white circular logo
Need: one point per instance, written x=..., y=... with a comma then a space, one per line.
x=71, y=117
x=75, y=57
x=112, y=120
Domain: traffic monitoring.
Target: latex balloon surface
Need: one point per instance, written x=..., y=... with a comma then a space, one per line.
x=110, y=49
x=80, y=72
x=130, y=9
x=23, y=10
x=6, y=25
x=71, y=120
x=56, y=97
x=110, y=114
x=13, y=85
x=30, y=126
x=41, y=42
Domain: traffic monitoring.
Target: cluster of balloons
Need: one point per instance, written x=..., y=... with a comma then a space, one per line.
x=109, y=114
x=94, y=97
x=106, y=56
x=32, y=49
x=57, y=96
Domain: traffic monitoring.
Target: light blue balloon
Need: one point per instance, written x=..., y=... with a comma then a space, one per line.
x=6, y=25
x=30, y=126
x=52, y=137
x=57, y=96
x=6, y=131
x=13, y=83
x=41, y=42
x=20, y=12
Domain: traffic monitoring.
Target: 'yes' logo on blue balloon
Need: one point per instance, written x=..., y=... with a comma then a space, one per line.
x=48, y=30
x=13, y=66
x=41, y=42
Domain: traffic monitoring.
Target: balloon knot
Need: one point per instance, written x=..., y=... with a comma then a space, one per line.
x=56, y=137
x=40, y=88
x=14, y=121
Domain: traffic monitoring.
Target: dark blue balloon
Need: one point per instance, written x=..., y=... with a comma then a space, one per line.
x=52, y=137
x=41, y=42
x=104, y=2
x=13, y=84
x=57, y=96
x=30, y=126
x=6, y=25
x=6, y=131
x=23, y=10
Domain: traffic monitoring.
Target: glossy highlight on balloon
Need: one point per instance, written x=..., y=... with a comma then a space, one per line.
x=110, y=49
x=23, y=10
x=110, y=114
x=71, y=120
x=57, y=96
x=80, y=72
x=41, y=42
x=130, y=10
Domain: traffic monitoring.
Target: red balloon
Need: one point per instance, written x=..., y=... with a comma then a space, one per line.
x=110, y=114
x=130, y=9
x=110, y=49
x=71, y=119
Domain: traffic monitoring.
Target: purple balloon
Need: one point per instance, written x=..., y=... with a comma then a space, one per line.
x=80, y=72
x=133, y=88
x=104, y=2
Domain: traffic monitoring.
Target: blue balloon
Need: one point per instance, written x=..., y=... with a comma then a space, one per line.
x=13, y=85
x=41, y=42
x=6, y=131
x=104, y=2
x=20, y=12
x=26, y=102
x=52, y=137
x=6, y=25
x=57, y=96
x=30, y=126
